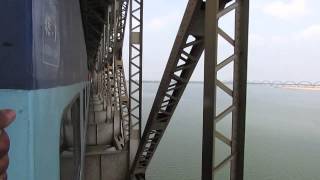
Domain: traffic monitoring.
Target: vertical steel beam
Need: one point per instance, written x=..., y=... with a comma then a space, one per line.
x=237, y=92
x=240, y=89
x=209, y=93
x=135, y=73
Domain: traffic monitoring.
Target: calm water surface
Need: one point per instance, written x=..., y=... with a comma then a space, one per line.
x=282, y=135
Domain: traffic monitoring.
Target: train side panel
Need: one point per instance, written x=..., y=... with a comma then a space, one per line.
x=43, y=67
x=35, y=134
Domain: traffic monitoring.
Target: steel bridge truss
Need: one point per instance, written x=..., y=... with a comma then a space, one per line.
x=236, y=91
x=198, y=31
x=135, y=72
x=120, y=17
x=104, y=24
x=122, y=97
x=185, y=54
x=110, y=55
x=109, y=60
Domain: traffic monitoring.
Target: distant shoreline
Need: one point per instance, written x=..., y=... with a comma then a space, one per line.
x=308, y=88
x=283, y=86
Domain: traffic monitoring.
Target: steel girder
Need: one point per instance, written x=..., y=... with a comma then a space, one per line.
x=185, y=54
x=187, y=49
x=121, y=11
x=94, y=17
x=120, y=19
x=108, y=59
x=122, y=98
x=135, y=71
x=110, y=37
x=237, y=92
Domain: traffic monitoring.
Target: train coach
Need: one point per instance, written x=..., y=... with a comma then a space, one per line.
x=44, y=78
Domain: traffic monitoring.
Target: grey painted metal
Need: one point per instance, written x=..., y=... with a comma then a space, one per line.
x=109, y=75
x=121, y=11
x=112, y=92
x=185, y=54
x=122, y=98
x=209, y=93
x=240, y=89
x=120, y=16
x=94, y=16
x=111, y=36
x=176, y=76
x=135, y=74
x=199, y=29
x=237, y=92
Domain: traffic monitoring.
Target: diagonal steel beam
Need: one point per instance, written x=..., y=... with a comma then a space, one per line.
x=172, y=86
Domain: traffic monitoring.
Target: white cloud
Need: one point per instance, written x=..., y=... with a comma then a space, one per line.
x=257, y=41
x=286, y=9
x=311, y=32
x=158, y=23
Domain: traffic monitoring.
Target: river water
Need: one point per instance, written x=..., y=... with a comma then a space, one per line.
x=282, y=135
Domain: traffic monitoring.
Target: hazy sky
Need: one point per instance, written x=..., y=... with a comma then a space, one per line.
x=284, y=39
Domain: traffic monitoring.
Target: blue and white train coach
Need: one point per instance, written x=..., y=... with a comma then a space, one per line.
x=44, y=78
